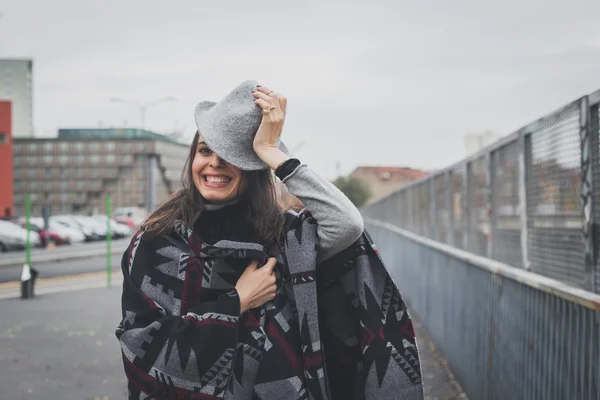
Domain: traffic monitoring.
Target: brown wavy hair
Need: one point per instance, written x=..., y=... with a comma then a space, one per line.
x=186, y=204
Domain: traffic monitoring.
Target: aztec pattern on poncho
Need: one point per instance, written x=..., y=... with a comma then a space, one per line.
x=182, y=336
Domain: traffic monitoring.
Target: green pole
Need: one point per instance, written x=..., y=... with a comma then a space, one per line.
x=108, y=239
x=28, y=227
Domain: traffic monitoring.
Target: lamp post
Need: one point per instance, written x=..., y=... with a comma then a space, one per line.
x=143, y=106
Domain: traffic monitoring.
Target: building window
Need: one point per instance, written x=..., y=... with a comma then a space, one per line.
x=63, y=146
x=48, y=146
x=63, y=172
x=140, y=146
x=79, y=171
x=94, y=172
x=48, y=171
x=110, y=158
x=80, y=184
x=109, y=146
x=95, y=159
x=126, y=147
x=63, y=159
x=79, y=158
x=16, y=173
x=3, y=137
x=33, y=185
x=64, y=185
x=32, y=160
x=17, y=185
x=48, y=159
x=64, y=197
x=16, y=149
x=79, y=146
x=48, y=185
x=127, y=158
x=94, y=146
x=32, y=147
x=80, y=195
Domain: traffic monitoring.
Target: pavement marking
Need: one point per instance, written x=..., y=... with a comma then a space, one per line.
x=90, y=280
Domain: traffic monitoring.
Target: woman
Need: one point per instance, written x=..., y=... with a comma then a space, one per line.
x=220, y=285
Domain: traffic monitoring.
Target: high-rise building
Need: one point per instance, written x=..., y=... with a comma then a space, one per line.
x=74, y=172
x=16, y=85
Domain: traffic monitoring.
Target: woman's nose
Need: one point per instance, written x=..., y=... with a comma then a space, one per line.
x=216, y=161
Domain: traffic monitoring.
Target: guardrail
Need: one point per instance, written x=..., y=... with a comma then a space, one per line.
x=506, y=333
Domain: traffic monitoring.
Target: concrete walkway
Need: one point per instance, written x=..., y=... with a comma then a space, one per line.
x=61, y=345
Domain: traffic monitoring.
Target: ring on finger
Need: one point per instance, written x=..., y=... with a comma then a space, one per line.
x=269, y=92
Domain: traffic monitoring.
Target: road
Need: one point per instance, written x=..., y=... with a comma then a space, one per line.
x=82, y=250
x=53, y=269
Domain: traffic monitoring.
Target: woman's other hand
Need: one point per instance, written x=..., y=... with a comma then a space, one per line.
x=256, y=286
x=265, y=142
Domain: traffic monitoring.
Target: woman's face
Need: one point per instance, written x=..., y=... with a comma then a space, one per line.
x=216, y=180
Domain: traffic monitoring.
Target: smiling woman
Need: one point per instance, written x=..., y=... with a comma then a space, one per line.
x=220, y=284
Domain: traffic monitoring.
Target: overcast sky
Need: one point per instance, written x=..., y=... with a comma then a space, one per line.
x=377, y=82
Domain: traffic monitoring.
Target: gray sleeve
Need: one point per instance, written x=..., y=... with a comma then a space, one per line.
x=339, y=223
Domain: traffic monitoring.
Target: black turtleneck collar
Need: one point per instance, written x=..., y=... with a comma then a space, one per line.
x=225, y=222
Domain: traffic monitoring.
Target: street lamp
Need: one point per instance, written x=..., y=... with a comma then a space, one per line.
x=143, y=106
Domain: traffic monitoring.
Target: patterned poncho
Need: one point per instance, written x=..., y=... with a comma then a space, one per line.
x=337, y=330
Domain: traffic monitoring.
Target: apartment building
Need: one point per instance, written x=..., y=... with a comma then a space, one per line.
x=74, y=172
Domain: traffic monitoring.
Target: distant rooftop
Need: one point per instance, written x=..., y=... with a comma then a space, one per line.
x=112, y=133
x=409, y=173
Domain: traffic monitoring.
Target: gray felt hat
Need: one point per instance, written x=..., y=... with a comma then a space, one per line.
x=229, y=126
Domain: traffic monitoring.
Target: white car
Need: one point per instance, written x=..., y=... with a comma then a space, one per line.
x=13, y=237
x=98, y=228
x=69, y=222
x=74, y=235
x=117, y=230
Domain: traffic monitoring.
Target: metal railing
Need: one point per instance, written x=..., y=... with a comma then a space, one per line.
x=530, y=200
x=498, y=256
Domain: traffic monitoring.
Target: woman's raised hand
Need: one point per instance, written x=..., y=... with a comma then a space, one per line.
x=265, y=142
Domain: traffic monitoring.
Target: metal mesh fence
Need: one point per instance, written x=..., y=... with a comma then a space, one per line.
x=479, y=222
x=424, y=214
x=521, y=205
x=553, y=200
x=442, y=214
x=506, y=213
x=457, y=181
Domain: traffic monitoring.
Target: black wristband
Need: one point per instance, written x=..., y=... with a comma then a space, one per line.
x=287, y=168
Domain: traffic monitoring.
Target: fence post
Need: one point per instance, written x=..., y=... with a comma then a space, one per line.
x=524, y=158
x=594, y=129
x=449, y=206
x=589, y=148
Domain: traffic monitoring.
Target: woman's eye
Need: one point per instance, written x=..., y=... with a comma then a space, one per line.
x=204, y=150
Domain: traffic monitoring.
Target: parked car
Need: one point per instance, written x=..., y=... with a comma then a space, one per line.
x=13, y=237
x=69, y=222
x=98, y=228
x=46, y=235
x=74, y=235
x=117, y=230
x=133, y=216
